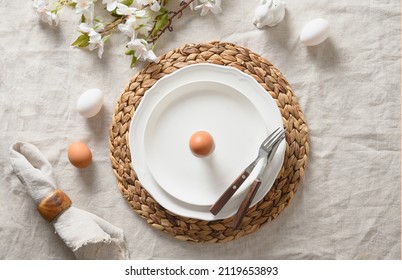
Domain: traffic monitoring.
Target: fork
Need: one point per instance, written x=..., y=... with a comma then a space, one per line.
x=263, y=152
x=241, y=212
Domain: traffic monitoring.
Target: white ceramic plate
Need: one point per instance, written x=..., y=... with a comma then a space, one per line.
x=228, y=115
x=229, y=104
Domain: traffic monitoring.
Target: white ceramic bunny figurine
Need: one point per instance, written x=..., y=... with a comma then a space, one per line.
x=269, y=13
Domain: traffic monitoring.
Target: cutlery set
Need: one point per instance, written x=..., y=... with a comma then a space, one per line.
x=266, y=153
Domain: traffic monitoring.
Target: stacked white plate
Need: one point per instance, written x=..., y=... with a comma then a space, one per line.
x=233, y=108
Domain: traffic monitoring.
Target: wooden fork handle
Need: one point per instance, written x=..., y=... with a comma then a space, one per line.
x=224, y=198
x=241, y=212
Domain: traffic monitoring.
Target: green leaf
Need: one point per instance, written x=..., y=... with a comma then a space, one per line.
x=133, y=61
x=127, y=2
x=115, y=14
x=82, y=41
x=129, y=52
x=163, y=10
x=161, y=22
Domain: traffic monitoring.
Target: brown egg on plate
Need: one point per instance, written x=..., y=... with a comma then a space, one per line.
x=201, y=144
x=79, y=155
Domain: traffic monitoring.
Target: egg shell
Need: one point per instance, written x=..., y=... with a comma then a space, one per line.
x=201, y=144
x=315, y=32
x=90, y=103
x=79, y=155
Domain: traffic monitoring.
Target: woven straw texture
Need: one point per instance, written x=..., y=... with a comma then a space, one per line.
x=287, y=182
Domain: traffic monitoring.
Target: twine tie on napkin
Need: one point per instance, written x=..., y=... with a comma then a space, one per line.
x=87, y=235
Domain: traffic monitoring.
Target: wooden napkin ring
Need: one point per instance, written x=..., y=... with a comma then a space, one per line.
x=53, y=205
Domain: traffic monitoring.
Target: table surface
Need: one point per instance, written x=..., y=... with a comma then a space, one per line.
x=347, y=207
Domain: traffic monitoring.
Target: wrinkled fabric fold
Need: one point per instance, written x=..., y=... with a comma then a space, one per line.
x=87, y=235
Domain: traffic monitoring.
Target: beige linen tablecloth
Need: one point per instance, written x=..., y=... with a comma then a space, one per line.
x=348, y=206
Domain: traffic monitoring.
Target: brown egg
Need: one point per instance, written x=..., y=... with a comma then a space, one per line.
x=79, y=155
x=201, y=144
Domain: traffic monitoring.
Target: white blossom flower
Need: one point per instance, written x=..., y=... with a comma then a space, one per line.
x=95, y=39
x=207, y=5
x=154, y=4
x=135, y=25
x=50, y=18
x=141, y=50
x=110, y=4
x=46, y=15
x=99, y=23
x=85, y=8
x=82, y=5
x=125, y=10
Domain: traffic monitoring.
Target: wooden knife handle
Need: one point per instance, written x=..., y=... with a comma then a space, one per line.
x=224, y=198
x=245, y=204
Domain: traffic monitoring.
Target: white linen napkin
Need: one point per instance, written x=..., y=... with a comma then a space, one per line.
x=87, y=235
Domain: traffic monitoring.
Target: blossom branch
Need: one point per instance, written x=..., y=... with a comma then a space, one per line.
x=108, y=28
x=143, y=21
x=168, y=26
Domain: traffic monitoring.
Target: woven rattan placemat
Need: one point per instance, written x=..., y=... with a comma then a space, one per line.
x=287, y=182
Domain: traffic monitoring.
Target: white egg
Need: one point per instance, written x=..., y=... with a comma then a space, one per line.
x=315, y=32
x=90, y=103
